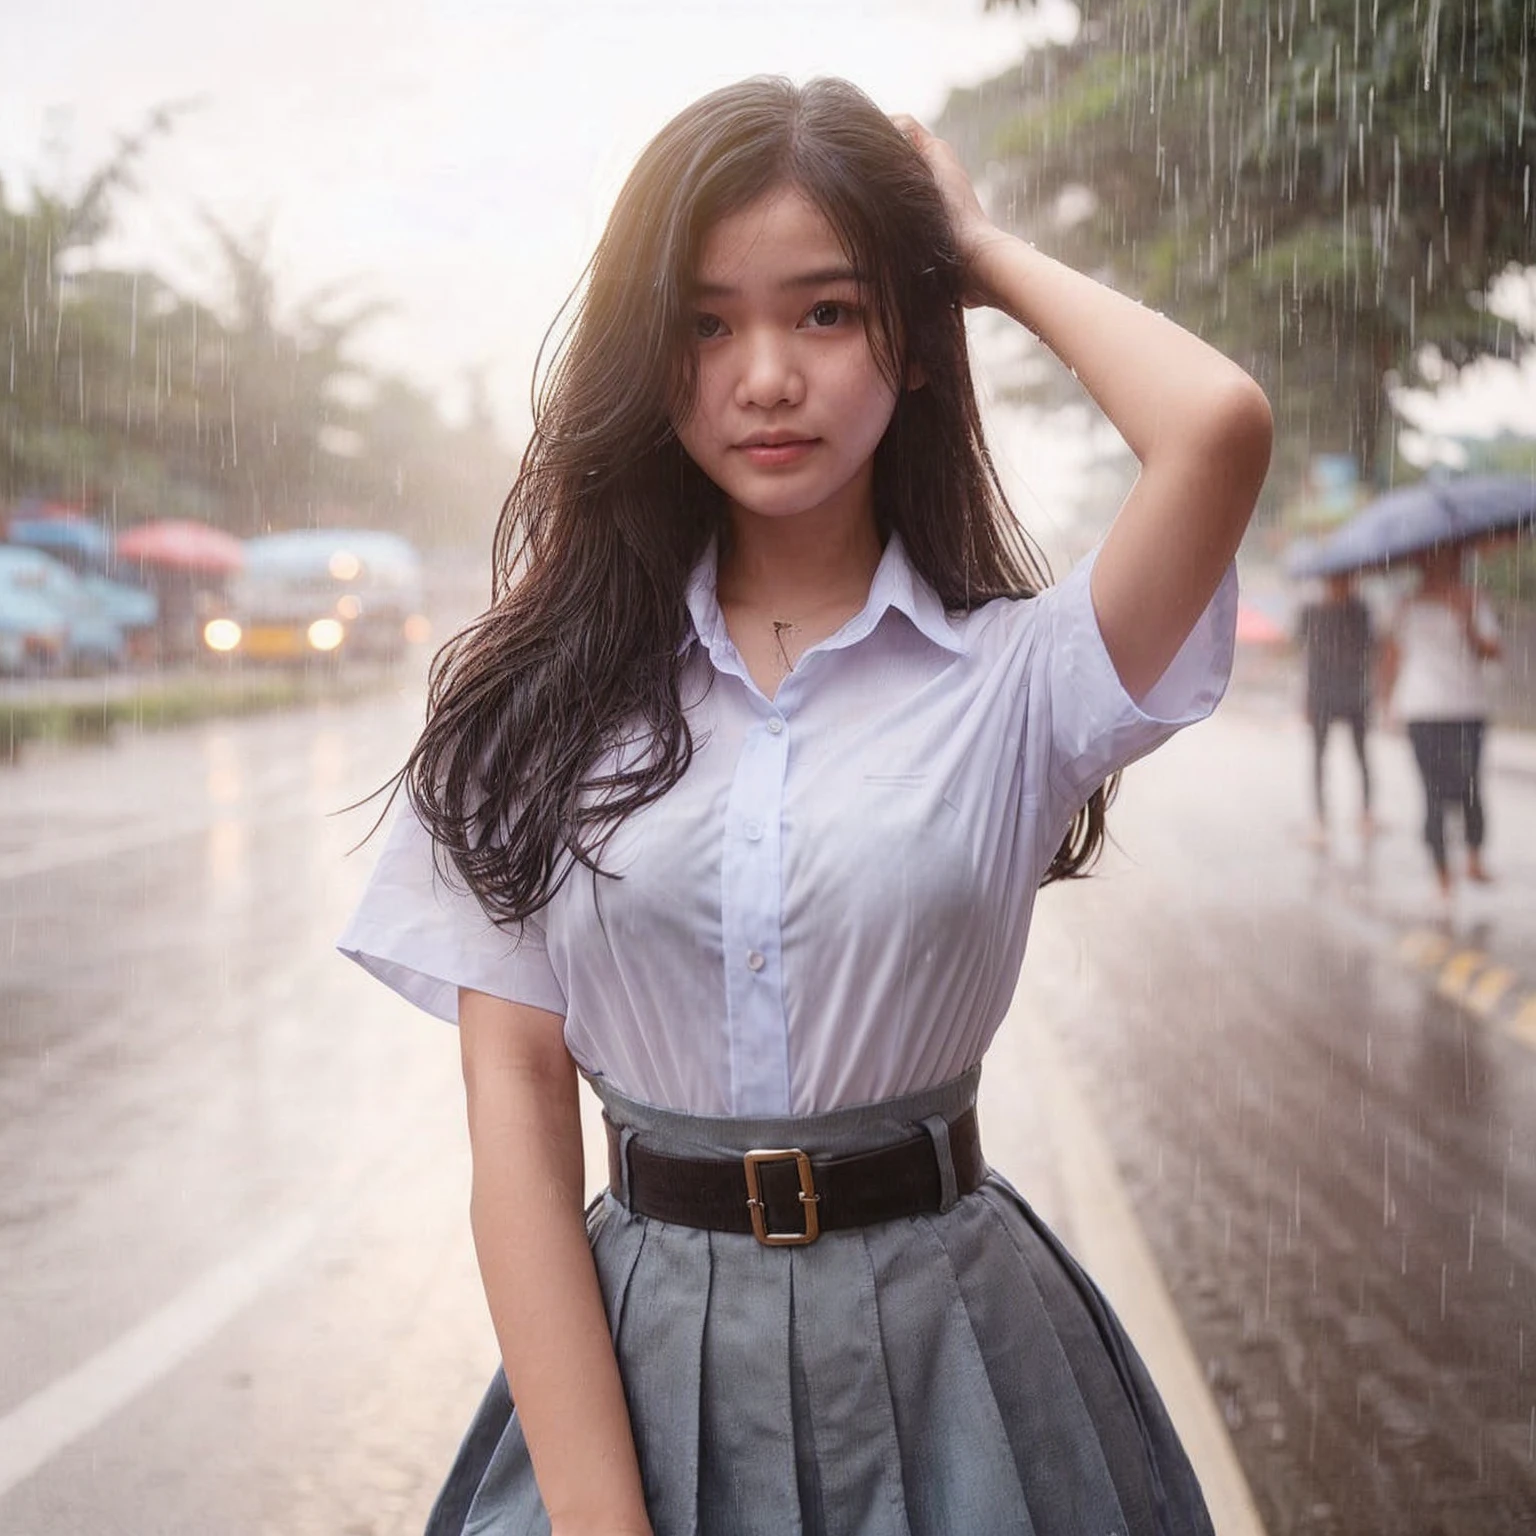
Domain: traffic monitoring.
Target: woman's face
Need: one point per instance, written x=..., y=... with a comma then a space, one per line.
x=791, y=402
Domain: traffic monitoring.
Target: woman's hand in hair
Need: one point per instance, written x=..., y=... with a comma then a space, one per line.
x=972, y=228
x=1199, y=426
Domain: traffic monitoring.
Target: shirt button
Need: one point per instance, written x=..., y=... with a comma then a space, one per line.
x=755, y=960
x=775, y=725
x=754, y=830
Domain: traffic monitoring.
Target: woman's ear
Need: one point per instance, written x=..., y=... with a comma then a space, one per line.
x=916, y=378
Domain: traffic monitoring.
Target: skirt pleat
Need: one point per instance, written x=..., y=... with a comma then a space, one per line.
x=615, y=1250
x=1066, y=1412
x=944, y=1373
x=746, y=1397
x=962, y=1475
x=852, y=1427
x=1113, y=1385
x=665, y=1407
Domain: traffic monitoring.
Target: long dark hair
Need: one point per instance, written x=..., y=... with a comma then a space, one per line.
x=558, y=712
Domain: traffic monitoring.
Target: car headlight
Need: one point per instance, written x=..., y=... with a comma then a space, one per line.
x=325, y=634
x=221, y=635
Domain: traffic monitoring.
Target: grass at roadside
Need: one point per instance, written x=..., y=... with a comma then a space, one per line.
x=151, y=703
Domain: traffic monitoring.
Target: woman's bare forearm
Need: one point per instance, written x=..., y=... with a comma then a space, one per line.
x=1199, y=425
x=536, y=1264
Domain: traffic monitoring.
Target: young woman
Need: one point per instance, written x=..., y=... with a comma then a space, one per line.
x=739, y=797
x=1433, y=671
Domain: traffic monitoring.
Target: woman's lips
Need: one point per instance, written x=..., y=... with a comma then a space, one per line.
x=776, y=455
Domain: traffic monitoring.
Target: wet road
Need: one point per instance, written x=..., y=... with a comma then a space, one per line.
x=221, y=1149
x=238, y=1292
x=1336, y=1164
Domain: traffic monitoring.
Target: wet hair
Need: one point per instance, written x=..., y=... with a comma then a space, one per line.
x=559, y=711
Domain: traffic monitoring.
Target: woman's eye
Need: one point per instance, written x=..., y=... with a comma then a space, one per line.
x=827, y=314
x=706, y=326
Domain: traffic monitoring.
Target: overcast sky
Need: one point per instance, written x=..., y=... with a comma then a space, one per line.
x=454, y=158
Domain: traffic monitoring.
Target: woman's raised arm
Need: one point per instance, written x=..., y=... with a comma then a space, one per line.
x=526, y=1213
x=1200, y=427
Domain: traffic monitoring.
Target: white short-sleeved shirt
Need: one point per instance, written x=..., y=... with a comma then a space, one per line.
x=1440, y=676
x=830, y=907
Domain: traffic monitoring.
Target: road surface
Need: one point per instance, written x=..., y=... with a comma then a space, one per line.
x=238, y=1291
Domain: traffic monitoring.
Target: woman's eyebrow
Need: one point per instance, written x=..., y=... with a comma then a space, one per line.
x=821, y=277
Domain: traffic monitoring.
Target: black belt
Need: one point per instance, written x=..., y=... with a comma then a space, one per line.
x=786, y=1197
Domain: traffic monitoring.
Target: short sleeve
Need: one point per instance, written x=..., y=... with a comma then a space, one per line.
x=1095, y=725
x=426, y=937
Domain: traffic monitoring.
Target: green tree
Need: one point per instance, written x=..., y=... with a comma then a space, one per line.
x=273, y=415
x=1320, y=187
x=129, y=398
x=413, y=471
x=70, y=336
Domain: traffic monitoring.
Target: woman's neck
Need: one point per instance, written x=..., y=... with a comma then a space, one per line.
x=793, y=567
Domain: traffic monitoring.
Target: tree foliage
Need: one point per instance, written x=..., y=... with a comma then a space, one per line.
x=120, y=394
x=1322, y=188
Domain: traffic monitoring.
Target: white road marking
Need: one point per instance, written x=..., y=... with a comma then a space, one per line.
x=53, y=1417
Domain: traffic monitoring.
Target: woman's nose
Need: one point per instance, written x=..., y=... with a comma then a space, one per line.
x=769, y=374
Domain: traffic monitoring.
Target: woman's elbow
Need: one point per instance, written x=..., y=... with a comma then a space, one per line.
x=1243, y=425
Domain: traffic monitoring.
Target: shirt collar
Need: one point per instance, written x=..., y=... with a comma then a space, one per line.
x=895, y=585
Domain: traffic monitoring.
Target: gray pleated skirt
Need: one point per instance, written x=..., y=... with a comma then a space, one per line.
x=954, y=1374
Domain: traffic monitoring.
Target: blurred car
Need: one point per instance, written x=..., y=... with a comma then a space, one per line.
x=89, y=614
x=85, y=548
x=343, y=593
x=33, y=633
x=72, y=539
x=130, y=607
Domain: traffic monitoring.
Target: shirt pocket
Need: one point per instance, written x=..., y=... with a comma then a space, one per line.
x=902, y=785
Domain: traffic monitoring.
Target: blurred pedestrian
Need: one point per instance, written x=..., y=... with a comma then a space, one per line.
x=737, y=802
x=1335, y=638
x=1434, y=667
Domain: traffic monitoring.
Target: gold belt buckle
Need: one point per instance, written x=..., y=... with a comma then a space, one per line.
x=809, y=1199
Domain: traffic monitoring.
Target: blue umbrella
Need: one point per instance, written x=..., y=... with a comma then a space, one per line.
x=1427, y=515
x=77, y=536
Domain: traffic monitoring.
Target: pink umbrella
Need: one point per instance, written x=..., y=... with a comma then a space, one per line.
x=182, y=545
x=1257, y=628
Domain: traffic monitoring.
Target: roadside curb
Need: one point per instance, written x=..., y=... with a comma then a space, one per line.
x=84, y=716
x=1100, y=1225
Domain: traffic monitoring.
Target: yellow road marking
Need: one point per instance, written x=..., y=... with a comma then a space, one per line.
x=1524, y=1021
x=1465, y=976
x=1489, y=990
x=1458, y=973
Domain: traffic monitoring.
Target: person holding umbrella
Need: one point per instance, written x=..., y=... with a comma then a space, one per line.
x=1433, y=671
x=1433, y=662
